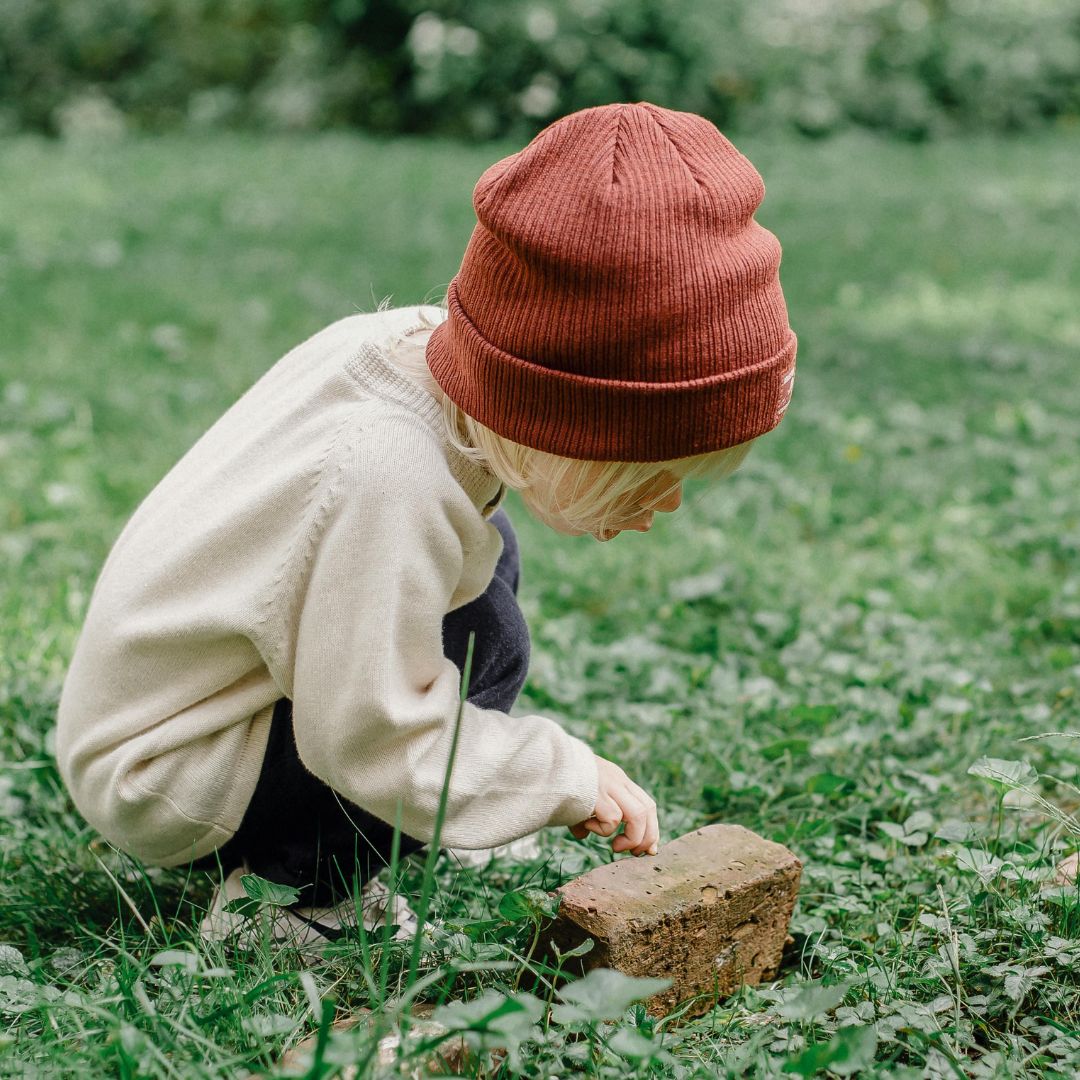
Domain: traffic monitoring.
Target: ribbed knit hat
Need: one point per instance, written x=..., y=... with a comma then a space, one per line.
x=616, y=300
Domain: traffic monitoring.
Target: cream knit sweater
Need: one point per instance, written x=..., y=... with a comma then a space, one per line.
x=307, y=546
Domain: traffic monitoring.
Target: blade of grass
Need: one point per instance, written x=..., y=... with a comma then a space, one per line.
x=395, y=858
x=120, y=890
x=428, y=882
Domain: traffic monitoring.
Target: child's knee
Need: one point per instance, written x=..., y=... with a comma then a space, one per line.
x=151, y=807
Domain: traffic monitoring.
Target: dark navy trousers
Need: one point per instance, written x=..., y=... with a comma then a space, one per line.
x=298, y=831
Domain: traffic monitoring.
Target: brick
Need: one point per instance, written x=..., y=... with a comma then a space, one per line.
x=710, y=910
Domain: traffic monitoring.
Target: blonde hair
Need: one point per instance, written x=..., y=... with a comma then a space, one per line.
x=591, y=489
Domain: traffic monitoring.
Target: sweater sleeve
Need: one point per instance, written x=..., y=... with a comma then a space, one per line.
x=375, y=698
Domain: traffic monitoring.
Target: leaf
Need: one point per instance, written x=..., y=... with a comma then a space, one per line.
x=810, y=999
x=900, y=834
x=578, y=950
x=492, y=1012
x=977, y=861
x=603, y=994
x=811, y=1061
x=631, y=1043
x=244, y=906
x=477, y=928
x=21, y=995
x=1019, y=982
x=847, y=1052
x=890, y=828
x=916, y=839
x=830, y=784
x=12, y=962
x=1066, y=896
x=913, y=832
x=818, y=715
x=794, y=746
x=1020, y=799
x=176, y=958
x=1004, y=774
x=957, y=830
x=530, y=903
x=854, y=1049
x=66, y=959
x=269, y=892
x=920, y=821
x=494, y=1020
x=269, y=1026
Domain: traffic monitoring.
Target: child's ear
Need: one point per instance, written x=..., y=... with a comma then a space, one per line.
x=664, y=485
x=668, y=496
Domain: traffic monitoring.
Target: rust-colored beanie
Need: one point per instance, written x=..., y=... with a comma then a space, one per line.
x=617, y=301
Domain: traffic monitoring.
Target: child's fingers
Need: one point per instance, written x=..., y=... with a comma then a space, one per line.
x=651, y=841
x=635, y=812
x=591, y=825
x=642, y=832
x=626, y=803
x=631, y=836
x=601, y=828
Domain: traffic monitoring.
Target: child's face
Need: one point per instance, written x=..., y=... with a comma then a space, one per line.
x=634, y=512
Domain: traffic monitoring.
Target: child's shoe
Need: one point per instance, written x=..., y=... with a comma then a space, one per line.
x=304, y=927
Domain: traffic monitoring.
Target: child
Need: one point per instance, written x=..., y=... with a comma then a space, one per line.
x=269, y=668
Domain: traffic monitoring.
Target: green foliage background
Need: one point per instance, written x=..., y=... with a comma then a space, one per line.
x=818, y=648
x=485, y=68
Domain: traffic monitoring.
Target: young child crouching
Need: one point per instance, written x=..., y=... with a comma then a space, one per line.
x=268, y=672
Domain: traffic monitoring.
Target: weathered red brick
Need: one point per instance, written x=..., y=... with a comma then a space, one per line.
x=710, y=911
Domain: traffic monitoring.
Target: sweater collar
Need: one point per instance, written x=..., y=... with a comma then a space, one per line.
x=380, y=376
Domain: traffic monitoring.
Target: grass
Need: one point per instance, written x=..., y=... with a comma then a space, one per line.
x=818, y=649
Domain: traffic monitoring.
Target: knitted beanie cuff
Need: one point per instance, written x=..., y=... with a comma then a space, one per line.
x=588, y=418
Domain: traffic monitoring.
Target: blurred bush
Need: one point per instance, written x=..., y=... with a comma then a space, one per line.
x=485, y=68
x=914, y=67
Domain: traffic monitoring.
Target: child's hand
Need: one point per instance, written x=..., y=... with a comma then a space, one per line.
x=620, y=799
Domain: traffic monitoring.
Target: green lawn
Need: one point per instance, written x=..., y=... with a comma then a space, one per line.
x=817, y=649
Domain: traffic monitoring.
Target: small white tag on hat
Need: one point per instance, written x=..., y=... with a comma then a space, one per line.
x=787, y=383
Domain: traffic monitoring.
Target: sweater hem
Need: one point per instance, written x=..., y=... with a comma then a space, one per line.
x=213, y=832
